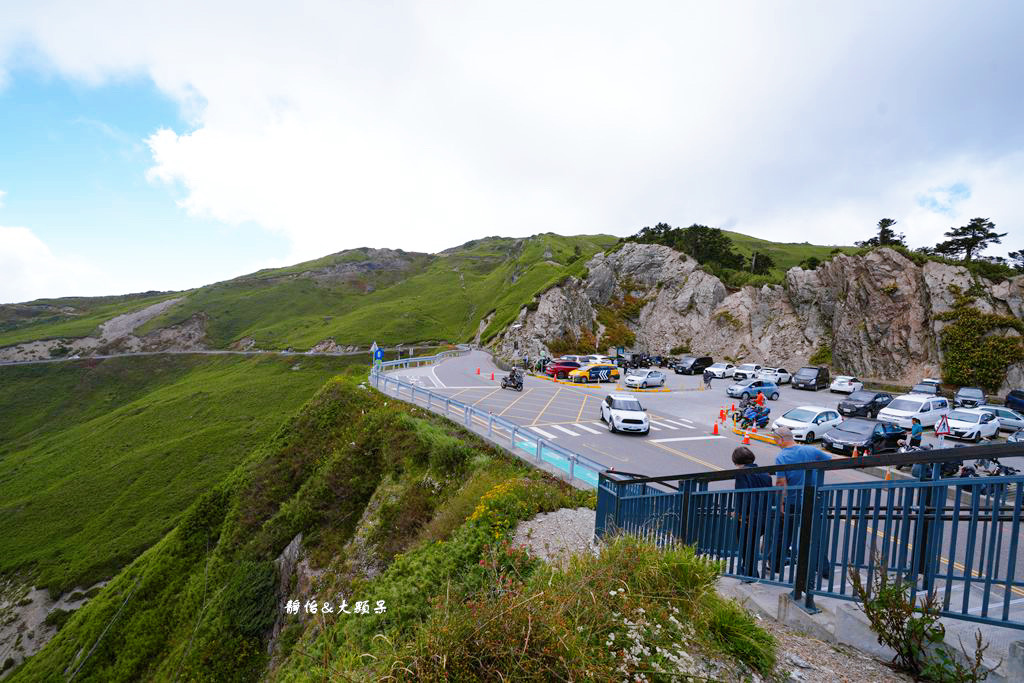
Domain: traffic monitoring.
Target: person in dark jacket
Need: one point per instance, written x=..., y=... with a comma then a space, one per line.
x=708, y=376
x=749, y=511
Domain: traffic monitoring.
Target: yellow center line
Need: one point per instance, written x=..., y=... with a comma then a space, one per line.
x=525, y=394
x=610, y=455
x=663, y=447
x=553, y=397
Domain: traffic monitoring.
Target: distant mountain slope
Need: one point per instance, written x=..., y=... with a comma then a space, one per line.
x=785, y=254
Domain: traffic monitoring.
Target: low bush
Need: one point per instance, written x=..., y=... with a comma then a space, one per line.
x=822, y=355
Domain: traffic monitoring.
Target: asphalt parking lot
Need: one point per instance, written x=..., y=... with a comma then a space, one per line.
x=680, y=440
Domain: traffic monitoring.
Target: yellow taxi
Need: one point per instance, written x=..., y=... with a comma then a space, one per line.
x=596, y=372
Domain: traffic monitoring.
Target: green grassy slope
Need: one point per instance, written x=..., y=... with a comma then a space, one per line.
x=443, y=296
x=98, y=459
x=785, y=254
x=45, y=319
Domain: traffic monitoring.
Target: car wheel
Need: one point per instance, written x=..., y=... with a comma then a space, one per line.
x=560, y=375
x=611, y=425
x=647, y=432
x=744, y=395
x=644, y=385
x=977, y=436
x=809, y=437
x=774, y=396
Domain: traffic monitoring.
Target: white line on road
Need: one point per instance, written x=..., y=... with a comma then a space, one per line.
x=434, y=375
x=563, y=429
x=686, y=438
x=654, y=429
x=678, y=424
x=543, y=433
x=586, y=428
x=666, y=426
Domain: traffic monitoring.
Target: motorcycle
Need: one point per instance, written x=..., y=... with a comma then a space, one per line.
x=514, y=382
x=741, y=409
x=755, y=415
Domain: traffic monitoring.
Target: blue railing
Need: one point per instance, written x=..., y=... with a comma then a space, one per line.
x=956, y=538
x=529, y=446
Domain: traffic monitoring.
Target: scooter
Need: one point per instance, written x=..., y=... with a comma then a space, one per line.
x=514, y=381
x=755, y=415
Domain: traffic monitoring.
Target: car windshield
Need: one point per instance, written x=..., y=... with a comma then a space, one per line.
x=627, y=404
x=745, y=383
x=862, y=396
x=859, y=427
x=964, y=416
x=801, y=415
x=687, y=360
x=843, y=378
x=905, y=404
x=719, y=366
x=748, y=366
x=808, y=373
x=924, y=389
x=970, y=393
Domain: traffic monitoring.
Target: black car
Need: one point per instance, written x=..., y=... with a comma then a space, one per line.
x=968, y=397
x=812, y=378
x=693, y=365
x=869, y=437
x=1015, y=400
x=864, y=403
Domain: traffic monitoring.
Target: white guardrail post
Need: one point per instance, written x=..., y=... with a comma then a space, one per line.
x=514, y=430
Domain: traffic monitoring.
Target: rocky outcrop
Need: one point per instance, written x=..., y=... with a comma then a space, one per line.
x=876, y=312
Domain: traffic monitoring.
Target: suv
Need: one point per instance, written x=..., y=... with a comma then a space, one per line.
x=623, y=413
x=1015, y=399
x=746, y=371
x=968, y=397
x=812, y=378
x=693, y=365
x=561, y=368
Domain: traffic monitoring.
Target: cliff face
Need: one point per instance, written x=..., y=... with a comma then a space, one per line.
x=876, y=312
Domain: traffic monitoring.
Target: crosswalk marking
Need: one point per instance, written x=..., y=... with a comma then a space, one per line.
x=666, y=426
x=586, y=429
x=654, y=429
x=563, y=429
x=677, y=422
x=543, y=433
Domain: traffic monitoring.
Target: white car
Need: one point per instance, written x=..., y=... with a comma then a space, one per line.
x=845, y=384
x=926, y=408
x=1009, y=420
x=645, y=378
x=809, y=422
x=721, y=370
x=777, y=375
x=972, y=424
x=623, y=413
x=746, y=371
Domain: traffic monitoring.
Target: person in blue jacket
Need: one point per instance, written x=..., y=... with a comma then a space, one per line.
x=750, y=509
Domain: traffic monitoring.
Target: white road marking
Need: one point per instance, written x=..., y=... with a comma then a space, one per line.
x=653, y=428
x=434, y=375
x=686, y=438
x=666, y=426
x=563, y=429
x=586, y=428
x=602, y=425
x=543, y=433
x=676, y=422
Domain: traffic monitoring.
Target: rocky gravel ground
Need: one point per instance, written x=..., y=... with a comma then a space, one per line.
x=555, y=536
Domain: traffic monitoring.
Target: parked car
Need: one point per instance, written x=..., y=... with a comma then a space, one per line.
x=561, y=368
x=623, y=413
x=931, y=380
x=864, y=403
x=1016, y=437
x=746, y=371
x=811, y=378
x=926, y=408
x=721, y=370
x=645, y=378
x=968, y=397
x=693, y=365
x=870, y=437
x=1009, y=420
x=845, y=384
x=1015, y=399
x=748, y=388
x=926, y=388
x=808, y=422
x=596, y=372
x=972, y=424
x=777, y=375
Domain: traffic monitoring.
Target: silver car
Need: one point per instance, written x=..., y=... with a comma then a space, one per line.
x=1009, y=420
x=645, y=378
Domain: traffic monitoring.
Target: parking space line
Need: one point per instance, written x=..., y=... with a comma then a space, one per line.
x=525, y=394
x=496, y=390
x=553, y=397
x=563, y=429
x=587, y=429
x=582, y=406
x=546, y=435
x=666, y=426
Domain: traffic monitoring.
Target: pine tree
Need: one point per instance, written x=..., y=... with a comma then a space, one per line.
x=970, y=239
x=886, y=236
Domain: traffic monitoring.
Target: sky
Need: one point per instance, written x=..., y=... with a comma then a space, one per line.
x=147, y=146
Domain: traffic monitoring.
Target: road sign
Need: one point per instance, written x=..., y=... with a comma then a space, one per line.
x=620, y=350
x=942, y=427
x=378, y=354
x=374, y=348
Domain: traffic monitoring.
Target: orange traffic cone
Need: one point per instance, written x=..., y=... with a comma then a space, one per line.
x=492, y=375
x=721, y=414
x=856, y=453
x=714, y=430
x=888, y=474
x=478, y=371
x=733, y=407
x=746, y=439
x=754, y=429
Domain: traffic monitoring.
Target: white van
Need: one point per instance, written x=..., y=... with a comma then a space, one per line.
x=928, y=409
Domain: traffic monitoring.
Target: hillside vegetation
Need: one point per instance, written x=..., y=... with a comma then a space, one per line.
x=99, y=458
x=402, y=509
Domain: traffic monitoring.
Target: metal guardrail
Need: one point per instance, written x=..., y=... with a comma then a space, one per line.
x=959, y=538
x=518, y=439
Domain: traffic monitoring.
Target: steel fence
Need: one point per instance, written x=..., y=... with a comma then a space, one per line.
x=518, y=439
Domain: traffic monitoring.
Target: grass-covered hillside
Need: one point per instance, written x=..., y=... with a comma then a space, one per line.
x=99, y=458
x=784, y=254
x=400, y=507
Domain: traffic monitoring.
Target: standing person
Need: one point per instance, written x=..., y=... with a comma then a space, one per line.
x=916, y=432
x=749, y=515
x=708, y=376
x=760, y=398
x=792, y=483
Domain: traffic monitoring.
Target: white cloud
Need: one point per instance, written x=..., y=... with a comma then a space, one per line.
x=423, y=125
x=30, y=270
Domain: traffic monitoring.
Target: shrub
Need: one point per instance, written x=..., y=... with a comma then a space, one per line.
x=728, y=318
x=681, y=348
x=973, y=352
x=58, y=617
x=822, y=355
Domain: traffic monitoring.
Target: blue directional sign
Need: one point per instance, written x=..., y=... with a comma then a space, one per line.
x=378, y=354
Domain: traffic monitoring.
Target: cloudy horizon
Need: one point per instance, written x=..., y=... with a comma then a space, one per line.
x=150, y=148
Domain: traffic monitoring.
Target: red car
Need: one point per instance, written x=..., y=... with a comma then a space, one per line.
x=561, y=368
